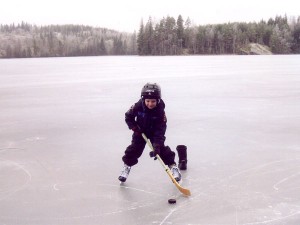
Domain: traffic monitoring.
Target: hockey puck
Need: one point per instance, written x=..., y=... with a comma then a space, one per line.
x=172, y=201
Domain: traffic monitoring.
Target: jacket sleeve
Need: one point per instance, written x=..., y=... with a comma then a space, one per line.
x=160, y=129
x=130, y=116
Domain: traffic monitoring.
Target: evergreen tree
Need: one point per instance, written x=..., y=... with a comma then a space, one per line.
x=296, y=37
x=141, y=40
x=102, y=48
x=149, y=38
x=180, y=33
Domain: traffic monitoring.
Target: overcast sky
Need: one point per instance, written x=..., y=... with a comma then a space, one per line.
x=126, y=15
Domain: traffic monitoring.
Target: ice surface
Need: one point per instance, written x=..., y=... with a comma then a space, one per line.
x=62, y=136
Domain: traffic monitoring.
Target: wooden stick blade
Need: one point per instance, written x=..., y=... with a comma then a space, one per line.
x=183, y=190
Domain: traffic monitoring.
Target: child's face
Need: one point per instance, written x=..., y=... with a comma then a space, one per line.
x=150, y=103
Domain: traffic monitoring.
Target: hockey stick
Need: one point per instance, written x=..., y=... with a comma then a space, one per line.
x=181, y=189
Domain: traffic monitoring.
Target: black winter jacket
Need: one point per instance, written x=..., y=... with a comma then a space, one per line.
x=153, y=122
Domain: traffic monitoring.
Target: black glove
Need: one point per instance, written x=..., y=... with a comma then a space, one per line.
x=137, y=130
x=156, y=151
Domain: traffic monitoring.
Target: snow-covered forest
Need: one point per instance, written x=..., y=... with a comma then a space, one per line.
x=175, y=37
x=169, y=36
x=26, y=40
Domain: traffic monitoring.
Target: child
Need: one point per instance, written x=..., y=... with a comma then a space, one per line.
x=148, y=116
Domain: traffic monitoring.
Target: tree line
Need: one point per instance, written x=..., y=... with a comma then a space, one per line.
x=168, y=36
x=171, y=36
x=26, y=40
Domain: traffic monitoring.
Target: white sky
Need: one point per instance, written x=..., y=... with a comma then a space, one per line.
x=125, y=15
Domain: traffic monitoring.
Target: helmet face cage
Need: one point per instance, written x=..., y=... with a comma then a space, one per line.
x=151, y=90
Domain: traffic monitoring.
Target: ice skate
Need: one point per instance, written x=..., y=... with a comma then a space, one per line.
x=124, y=173
x=175, y=172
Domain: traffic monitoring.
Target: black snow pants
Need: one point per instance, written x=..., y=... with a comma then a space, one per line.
x=135, y=150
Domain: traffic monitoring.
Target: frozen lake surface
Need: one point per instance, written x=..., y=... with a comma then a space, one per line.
x=62, y=136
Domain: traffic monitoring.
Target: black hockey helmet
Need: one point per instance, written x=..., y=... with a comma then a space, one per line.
x=151, y=90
